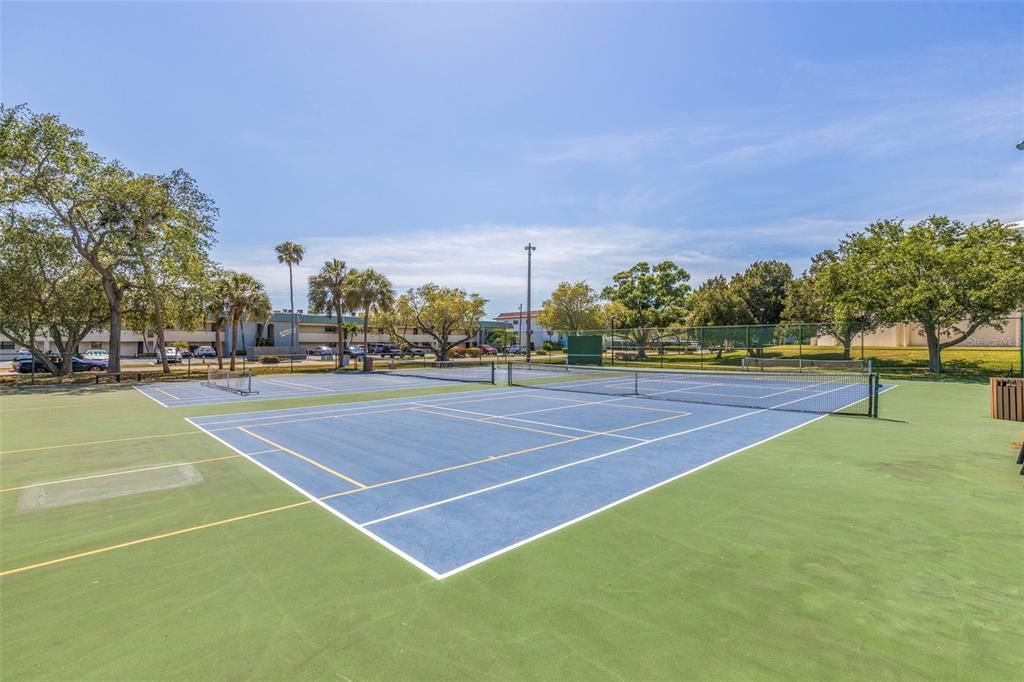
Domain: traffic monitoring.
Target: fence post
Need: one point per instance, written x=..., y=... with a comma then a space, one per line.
x=188, y=372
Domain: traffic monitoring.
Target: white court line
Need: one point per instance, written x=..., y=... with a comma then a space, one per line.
x=316, y=418
x=595, y=402
x=581, y=461
x=493, y=419
x=356, y=405
x=167, y=393
x=153, y=398
x=440, y=576
x=313, y=498
x=544, y=472
x=305, y=387
x=438, y=413
x=489, y=418
x=594, y=512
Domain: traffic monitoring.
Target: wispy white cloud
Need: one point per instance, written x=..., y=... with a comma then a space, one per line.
x=608, y=147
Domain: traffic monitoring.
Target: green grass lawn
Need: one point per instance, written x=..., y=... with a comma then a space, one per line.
x=848, y=549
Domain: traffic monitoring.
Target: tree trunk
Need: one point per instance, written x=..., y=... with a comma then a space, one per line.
x=366, y=333
x=847, y=341
x=291, y=301
x=234, y=343
x=341, y=337
x=114, y=340
x=218, y=345
x=158, y=318
x=934, y=350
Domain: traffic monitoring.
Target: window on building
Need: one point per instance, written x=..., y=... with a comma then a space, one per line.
x=328, y=329
x=415, y=331
x=6, y=345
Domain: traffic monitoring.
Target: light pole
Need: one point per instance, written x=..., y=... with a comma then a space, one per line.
x=529, y=248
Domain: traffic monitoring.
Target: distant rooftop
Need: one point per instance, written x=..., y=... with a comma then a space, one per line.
x=515, y=315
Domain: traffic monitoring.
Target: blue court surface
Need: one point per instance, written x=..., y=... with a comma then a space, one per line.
x=449, y=481
x=277, y=386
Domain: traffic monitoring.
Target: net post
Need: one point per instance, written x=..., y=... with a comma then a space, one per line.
x=874, y=393
x=492, y=374
x=636, y=383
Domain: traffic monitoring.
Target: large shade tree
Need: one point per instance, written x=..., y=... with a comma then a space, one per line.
x=716, y=302
x=47, y=290
x=110, y=215
x=571, y=307
x=167, y=223
x=762, y=286
x=648, y=298
x=448, y=315
x=947, y=277
x=832, y=295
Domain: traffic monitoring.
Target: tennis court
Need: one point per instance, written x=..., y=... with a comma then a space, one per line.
x=447, y=482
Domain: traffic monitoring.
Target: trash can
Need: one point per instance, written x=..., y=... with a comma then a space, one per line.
x=367, y=363
x=1007, y=396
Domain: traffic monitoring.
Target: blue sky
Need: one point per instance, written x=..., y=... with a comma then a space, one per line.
x=432, y=141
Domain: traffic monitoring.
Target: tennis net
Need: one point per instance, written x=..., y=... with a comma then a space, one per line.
x=239, y=381
x=855, y=394
x=474, y=373
x=807, y=364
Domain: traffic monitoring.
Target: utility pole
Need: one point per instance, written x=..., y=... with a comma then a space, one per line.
x=530, y=248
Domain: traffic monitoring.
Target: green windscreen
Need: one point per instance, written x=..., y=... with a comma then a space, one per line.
x=585, y=350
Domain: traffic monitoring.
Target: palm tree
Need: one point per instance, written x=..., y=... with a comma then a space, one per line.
x=215, y=296
x=372, y=293
x=327, y=294
x=245, y=297
x=291, y=254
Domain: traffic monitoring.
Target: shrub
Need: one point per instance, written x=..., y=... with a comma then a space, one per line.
x=540, y=352
x=457, y=353
x=474, y=352
x=270, y=359
x=551, y=345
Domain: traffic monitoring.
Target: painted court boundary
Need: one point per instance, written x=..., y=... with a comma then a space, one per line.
x=440, y=576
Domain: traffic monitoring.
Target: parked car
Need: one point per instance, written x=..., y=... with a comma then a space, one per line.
x=514, y=350
x=355, y=350
x=321, y=352
x=488, y=350
x=393, y=350
x=173, y=355
x=205, y=352
x=78, y=364
x=96, y=354
x=379, y=347
x=185, y=353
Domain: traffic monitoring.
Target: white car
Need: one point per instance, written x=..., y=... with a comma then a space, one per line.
x=96, y=354
x=173, y=355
